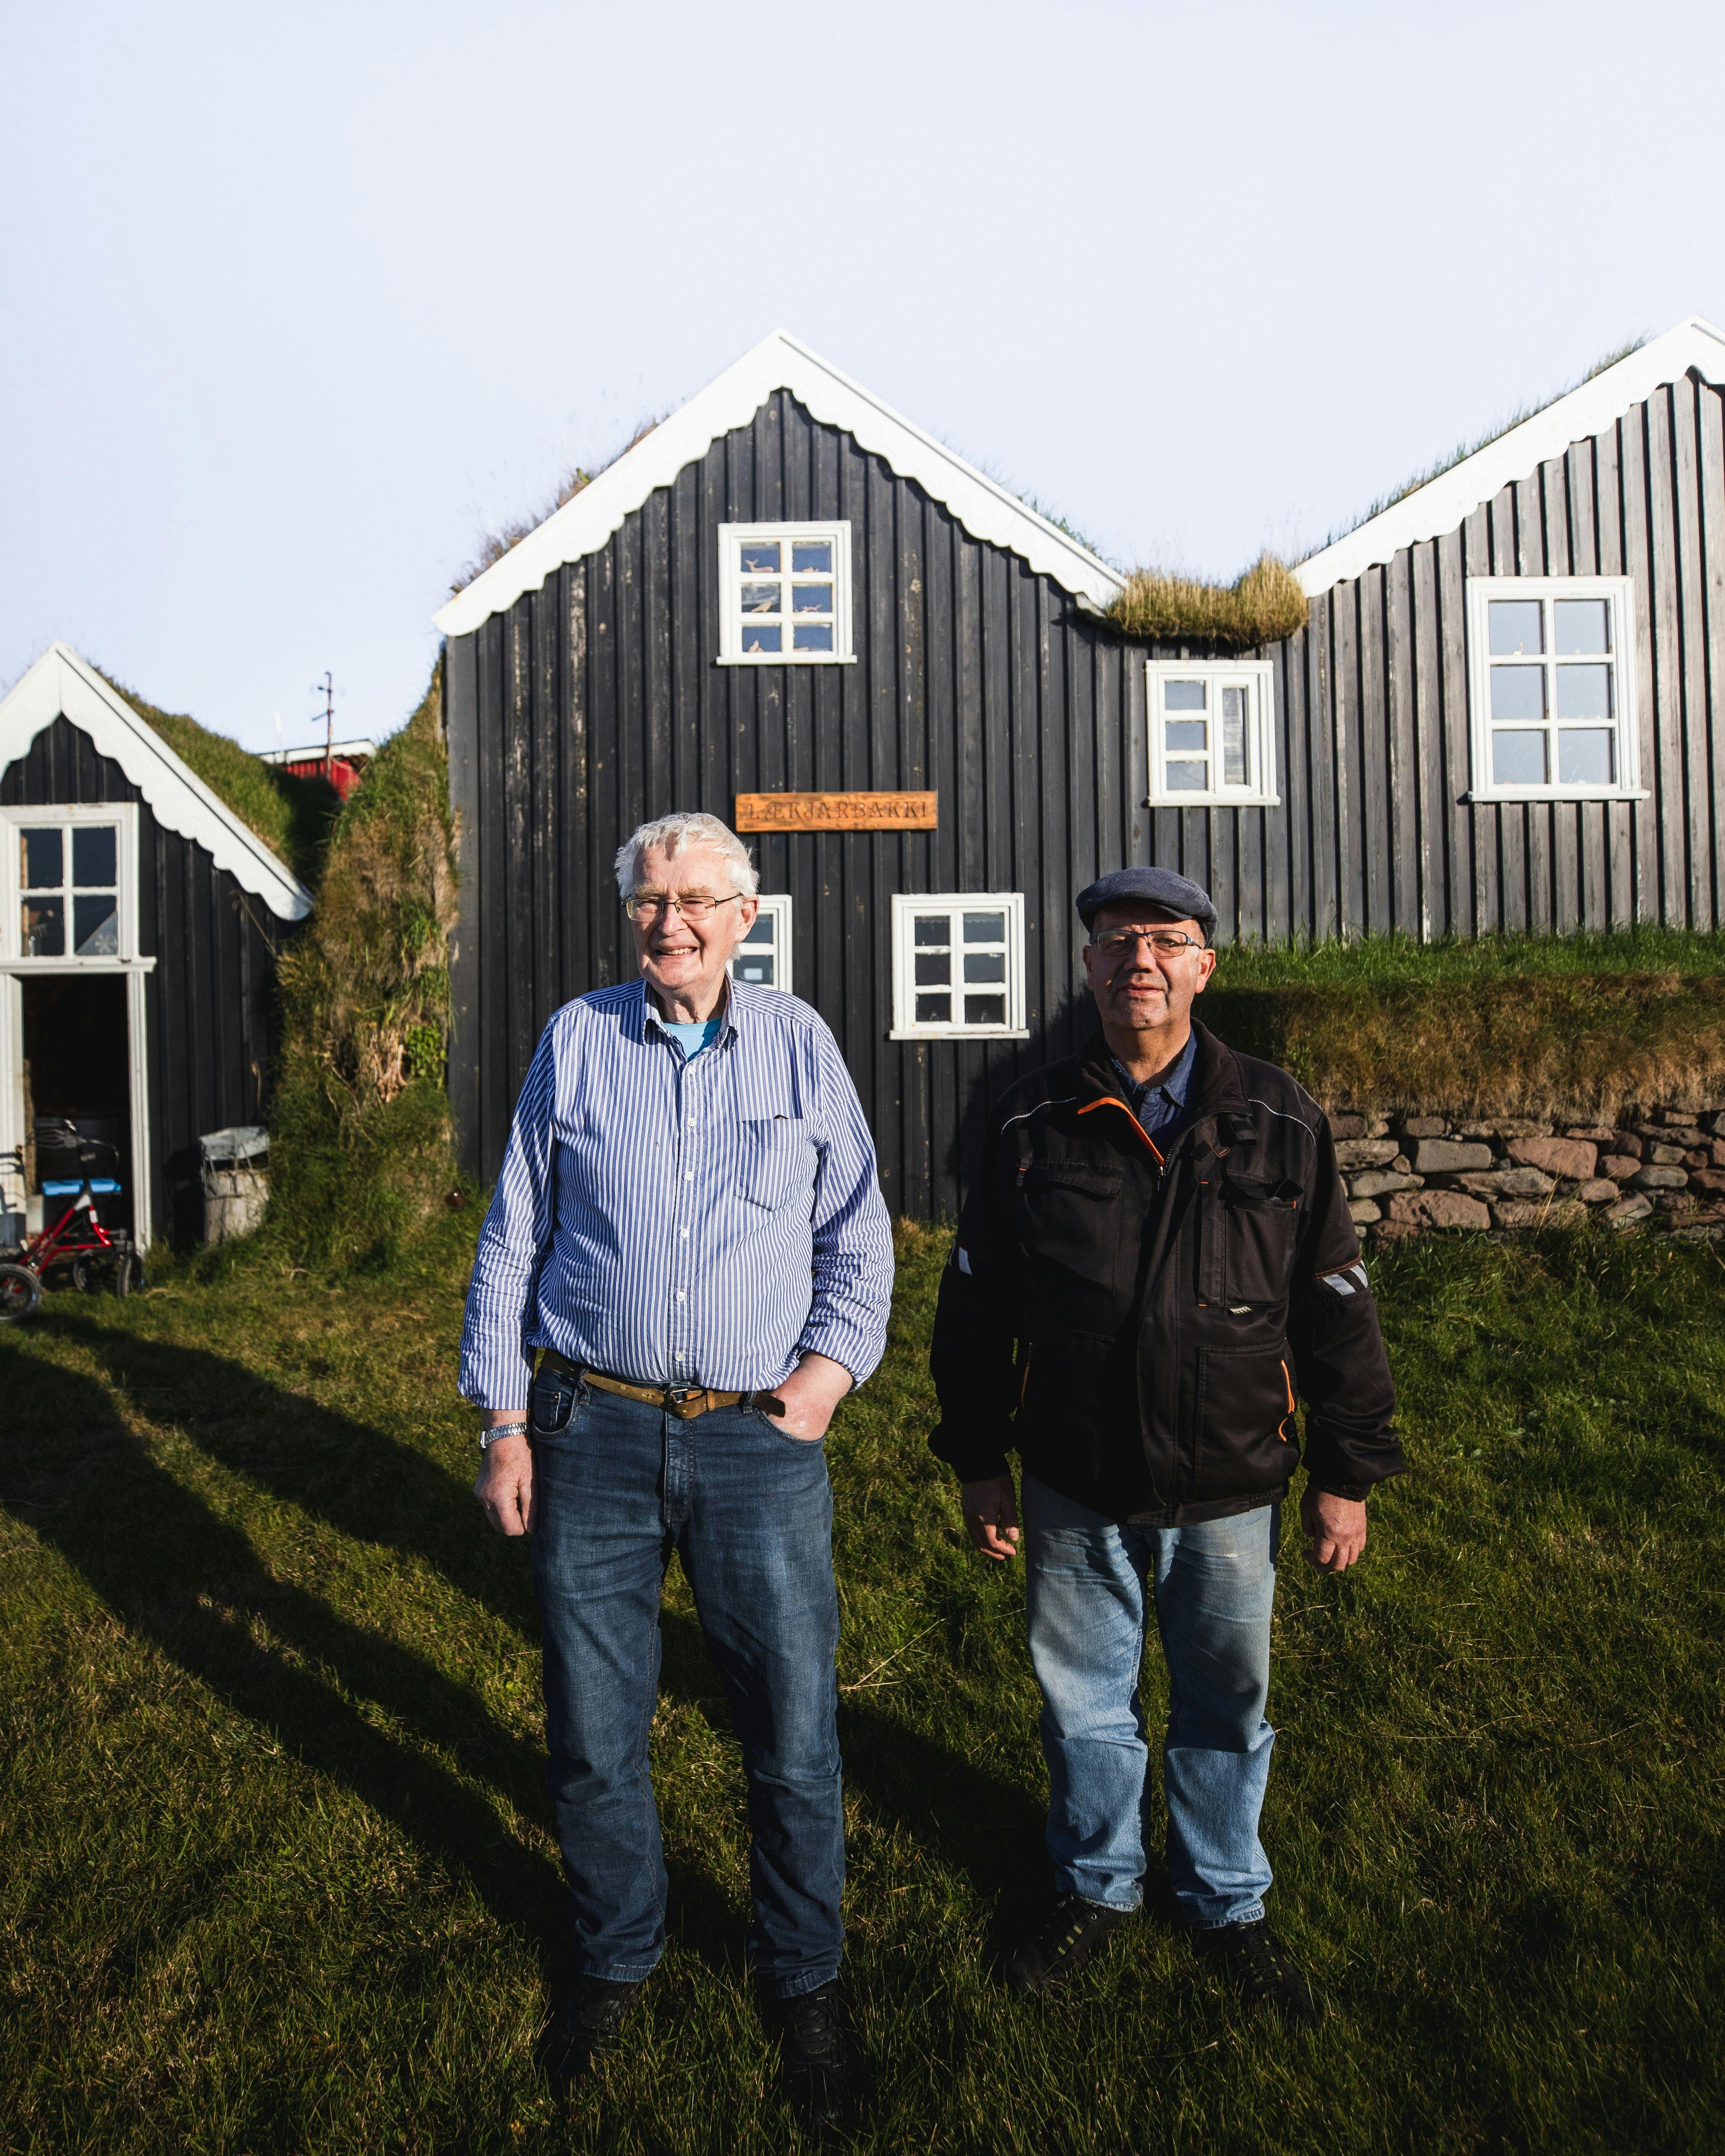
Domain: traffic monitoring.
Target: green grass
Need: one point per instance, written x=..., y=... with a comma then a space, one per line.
x=1377, y=962
x=277, y=1872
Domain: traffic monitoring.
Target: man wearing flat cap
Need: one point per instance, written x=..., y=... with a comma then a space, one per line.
x=1154, y=1267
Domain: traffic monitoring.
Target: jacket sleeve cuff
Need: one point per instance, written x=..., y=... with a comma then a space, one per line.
x=1355, y=1492
x=973, y=1455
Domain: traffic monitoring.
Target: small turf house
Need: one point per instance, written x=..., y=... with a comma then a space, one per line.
x=142, y=920
x=1502, y=712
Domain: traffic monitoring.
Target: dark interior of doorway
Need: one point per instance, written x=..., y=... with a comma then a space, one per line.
x=75, y=1065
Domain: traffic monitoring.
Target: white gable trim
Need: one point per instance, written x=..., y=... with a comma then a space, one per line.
x=1446, y=501
x=986, y=510
x=59, y=685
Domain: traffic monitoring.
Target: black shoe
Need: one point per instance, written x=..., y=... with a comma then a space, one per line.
x=1255, y=1960
x=1073, y=1933
x=584, y=2023
x=824, y=2079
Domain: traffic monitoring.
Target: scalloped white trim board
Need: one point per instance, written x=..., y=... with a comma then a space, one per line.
x=59, y=685
x=985, y=510
x=1444, y=503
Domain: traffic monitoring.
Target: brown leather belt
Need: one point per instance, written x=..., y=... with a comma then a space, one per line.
x=684, y=1402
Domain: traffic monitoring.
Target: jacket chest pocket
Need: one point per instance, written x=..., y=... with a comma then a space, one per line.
x=1069, y=1217
x=1252, y=1230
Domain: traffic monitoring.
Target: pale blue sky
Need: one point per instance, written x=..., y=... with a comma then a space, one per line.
x=295, y=302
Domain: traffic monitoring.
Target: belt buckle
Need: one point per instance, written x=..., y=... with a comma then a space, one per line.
x=676, y=1397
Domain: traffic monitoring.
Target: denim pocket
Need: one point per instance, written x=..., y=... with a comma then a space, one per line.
x=552, y=1401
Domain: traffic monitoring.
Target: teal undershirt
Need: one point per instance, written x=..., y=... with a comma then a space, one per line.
x=693, y=1038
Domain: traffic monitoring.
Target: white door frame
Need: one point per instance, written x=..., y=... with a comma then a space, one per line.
x=12, y=1073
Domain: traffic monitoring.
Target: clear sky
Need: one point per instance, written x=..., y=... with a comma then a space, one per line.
x=295, y=302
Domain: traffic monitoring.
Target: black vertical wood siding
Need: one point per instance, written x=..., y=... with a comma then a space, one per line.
x=596, y=702
x=211, y=998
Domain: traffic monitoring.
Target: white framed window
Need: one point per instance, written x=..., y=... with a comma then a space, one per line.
x=764, y=954
x=958, y=966
x=1212, y=742
x=784, y=595
x=70, y=885
x=1552, y=689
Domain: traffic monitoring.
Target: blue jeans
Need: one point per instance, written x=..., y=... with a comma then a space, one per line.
x=1214, y=1584
x=749, y=1512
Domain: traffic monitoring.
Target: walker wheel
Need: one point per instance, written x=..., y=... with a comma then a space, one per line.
x=20, y=1293
x=129, y=1274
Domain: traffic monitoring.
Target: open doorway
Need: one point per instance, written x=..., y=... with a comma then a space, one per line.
x=76, y=1061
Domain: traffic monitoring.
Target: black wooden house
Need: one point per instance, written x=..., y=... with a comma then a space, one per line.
x=140, y=924
x=1503, y=713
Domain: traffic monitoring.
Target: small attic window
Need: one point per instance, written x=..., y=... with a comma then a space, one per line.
x=784, y=594
x=1211, y=742
x=1552, y=689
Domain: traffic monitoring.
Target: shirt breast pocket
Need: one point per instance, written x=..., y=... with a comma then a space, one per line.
x=1259, y=1222
x=776, y=1168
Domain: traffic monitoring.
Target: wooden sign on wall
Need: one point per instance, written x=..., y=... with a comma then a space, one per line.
x=835, y=812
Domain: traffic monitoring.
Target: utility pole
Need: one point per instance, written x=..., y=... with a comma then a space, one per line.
x=327, y=689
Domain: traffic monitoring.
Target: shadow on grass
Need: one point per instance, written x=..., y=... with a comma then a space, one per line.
x=192, y=1585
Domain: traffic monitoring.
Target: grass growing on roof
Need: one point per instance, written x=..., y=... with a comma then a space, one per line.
x=292, y=816
x=1511, y=1026
x=360, y=1121
x=1262, y=605
x=280, y=1874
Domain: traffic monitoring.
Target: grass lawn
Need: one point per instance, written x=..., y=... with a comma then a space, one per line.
x=276, y=1871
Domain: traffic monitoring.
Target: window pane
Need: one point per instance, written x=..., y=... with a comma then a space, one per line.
x=985, y=927
x=1183, y=696
x=934, y=1010
x=762, y=932
x=1187, y=733
x=44, y=928
x=1188, y=777
x=1516, y=626
x=812, y=556
x=760, y=557
x=985, y=965
x=985, y=1010
x=44, y=861
x=754, y=968
x=95, y=856
x=1581, y=625
x=1585, y=756
x=812, y=636
x=1233, y=748
x=811, y=599
x=1518, y=692
x=755, y=638
x=932, y=928
x=1518, y=759
x=760, y=598
x=1583, y=692
x=934, y=968
x=95, y=926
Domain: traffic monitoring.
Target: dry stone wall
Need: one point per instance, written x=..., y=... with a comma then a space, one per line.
x=1661, y=1168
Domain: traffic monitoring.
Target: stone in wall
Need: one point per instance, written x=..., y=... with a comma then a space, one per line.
x=1439, y=1208
x=1528, y=1212
x=1660, y=1178
x=1379, y=1181
x=1449, y=1157
x=1620, y=1167
x=1628, y=1212
x=1366, y=1152
x=1556, y=1156
x=1510, y=1183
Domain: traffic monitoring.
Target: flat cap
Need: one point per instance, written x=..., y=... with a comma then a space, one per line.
x=1176, y=896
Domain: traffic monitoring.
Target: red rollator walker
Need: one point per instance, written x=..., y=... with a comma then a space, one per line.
x=77, y=1247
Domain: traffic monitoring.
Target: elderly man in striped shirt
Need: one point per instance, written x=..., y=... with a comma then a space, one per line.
x=689, y=1229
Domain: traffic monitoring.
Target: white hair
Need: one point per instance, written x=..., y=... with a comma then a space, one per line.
x=687, y=828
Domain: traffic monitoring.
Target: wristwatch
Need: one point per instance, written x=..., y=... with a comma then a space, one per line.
x=488, y=1438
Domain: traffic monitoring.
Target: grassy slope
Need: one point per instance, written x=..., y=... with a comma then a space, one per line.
x=1508, y=1025
x=291, y=815
x=277, y=1873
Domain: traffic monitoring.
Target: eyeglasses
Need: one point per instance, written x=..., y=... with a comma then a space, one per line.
x=648, y=906
x=1165, y=942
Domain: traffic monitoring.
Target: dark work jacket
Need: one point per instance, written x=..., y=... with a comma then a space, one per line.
x=1137, y=1328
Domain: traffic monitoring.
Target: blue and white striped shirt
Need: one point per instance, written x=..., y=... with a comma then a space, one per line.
x=668, y=1221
